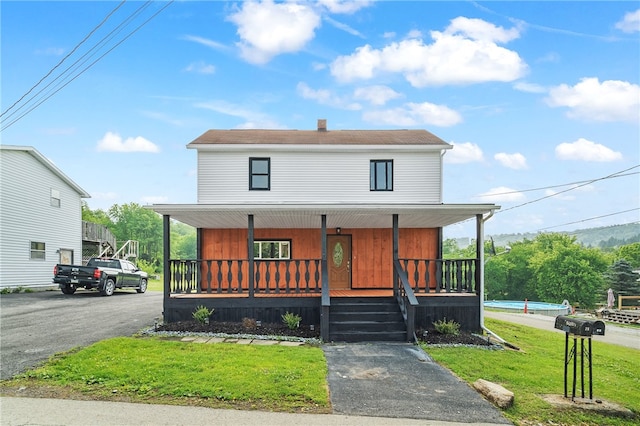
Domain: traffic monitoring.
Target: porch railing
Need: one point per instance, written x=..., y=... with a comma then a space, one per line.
x=441, y=275
x=406, y=299
x=232, y=276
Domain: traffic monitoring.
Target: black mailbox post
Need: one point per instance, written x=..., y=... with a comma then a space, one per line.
x=581, y=328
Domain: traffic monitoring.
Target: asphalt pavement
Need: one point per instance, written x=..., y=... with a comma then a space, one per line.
x=615, y=335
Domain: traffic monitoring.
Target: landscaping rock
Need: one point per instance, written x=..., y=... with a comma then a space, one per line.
x=495, y=393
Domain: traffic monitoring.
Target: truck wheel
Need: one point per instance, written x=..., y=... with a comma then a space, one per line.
x=143, y=286
x=68, y=289
x=109, y=287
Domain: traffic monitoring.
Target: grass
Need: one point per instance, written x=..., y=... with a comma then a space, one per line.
x=216, y=375
x=279, y=378
x=539, y=369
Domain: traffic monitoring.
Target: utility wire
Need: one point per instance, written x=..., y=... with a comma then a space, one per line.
x=591, y=218
x=91, y=64
x=78, y=63
x=65, y=58
x=570, y=189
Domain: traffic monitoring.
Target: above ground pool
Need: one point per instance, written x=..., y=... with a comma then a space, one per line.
x=517, y=306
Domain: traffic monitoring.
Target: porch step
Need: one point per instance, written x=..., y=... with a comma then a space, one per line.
x=366, y=319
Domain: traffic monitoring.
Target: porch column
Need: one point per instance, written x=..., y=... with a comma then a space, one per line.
x=480, y=255
x=251, y=277
x=166, y=249
x=199, y=257
x=326, y=297
x=396, y=237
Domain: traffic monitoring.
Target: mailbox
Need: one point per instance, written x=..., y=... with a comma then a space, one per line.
x=579, y=327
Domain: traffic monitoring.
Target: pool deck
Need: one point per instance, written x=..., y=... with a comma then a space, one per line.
x=622, y=336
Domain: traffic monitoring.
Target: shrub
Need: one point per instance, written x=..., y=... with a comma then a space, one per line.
x=447, y=327
x=202, y=314
x=249, y=323
x=291, y=320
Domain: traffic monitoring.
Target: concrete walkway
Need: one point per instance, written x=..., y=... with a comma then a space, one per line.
x=622, y=336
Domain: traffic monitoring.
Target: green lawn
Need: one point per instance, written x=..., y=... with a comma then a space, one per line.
x=539, y=369
x=281, y=378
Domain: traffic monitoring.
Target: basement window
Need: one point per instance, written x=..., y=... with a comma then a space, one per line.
x=272, y=249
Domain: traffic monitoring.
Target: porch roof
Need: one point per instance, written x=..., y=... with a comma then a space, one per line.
x=308, y=216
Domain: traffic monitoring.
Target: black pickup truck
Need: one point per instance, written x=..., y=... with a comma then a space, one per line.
x=103, y=274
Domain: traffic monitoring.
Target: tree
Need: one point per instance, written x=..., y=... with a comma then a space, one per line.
x=507, y=276
x=630, y=253
x=621, y=278
x=95, y=216
x=563, y=269
x=134, y=222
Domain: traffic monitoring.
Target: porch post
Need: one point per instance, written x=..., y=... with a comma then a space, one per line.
x=166, y=249
x=251, y=277
x=480, y=265
x=396, y=244
x=326, y=297
x=199, y=257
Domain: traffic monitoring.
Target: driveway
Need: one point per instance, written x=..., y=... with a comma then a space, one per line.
x=34, y=326
x=623, y=336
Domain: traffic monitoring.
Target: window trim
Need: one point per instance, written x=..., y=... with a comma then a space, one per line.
x=257, y=253
x=373, y=175
x=36, y=250
x=252, y=174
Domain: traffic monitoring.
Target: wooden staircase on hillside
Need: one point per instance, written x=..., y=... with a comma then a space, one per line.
x=366, y=319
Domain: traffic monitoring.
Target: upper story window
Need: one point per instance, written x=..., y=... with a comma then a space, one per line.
x=272, y=249
x=55, y=198
x=381, y=175
x=37, y=250
x=260, y=174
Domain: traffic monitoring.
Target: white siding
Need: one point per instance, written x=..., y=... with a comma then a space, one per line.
x=26, y=215
x=319, y=177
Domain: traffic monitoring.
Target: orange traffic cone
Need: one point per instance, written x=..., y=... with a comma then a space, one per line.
x=525, y=306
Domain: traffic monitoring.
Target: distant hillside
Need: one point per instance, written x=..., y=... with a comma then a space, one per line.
x=604, y=237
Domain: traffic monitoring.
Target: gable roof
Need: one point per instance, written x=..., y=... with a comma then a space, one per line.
x=318, y=137
x=48, y=164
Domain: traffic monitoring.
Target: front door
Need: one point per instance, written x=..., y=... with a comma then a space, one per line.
x=339, y=261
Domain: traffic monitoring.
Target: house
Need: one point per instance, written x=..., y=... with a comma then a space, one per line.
x=40, y=218
x=343, y=228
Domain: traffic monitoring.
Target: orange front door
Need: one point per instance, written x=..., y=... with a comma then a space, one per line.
x=339, y=261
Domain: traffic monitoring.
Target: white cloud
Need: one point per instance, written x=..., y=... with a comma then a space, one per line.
x=200, y=68
x=344, y=6
x=585, y=150
x=205, y=42
x=515, y=161
x=529, y=87
x=559, y=196
x=253, y=119
x=462, y=153
x=326, y=97
x=611, y=100
x=630, y=23
x=465, y=53
x=344, y=27
x=414, y=114
x=502, y=194
x=376, y=95
x=104, y=195
x=154, y=199
x=268, y=29
x=113, y=142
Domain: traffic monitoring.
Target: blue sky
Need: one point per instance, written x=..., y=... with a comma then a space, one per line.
x=541, y=100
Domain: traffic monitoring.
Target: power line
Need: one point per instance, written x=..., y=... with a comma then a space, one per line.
x=65, y=58
x=591, y=218
x=102, y=42
x=570, y=189
x=516, y=191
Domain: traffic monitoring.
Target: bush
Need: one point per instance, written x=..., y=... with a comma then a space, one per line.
x=202, y=314
x=291, y=320
x=447, y=327
x=249, y=323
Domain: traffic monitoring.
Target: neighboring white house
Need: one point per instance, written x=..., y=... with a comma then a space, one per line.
x=40, y=218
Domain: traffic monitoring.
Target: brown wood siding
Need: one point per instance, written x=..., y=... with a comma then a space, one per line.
x=372, y=249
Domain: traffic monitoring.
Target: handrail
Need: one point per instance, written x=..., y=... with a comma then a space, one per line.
x=406, y=299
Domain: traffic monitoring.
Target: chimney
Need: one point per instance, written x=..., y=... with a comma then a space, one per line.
x=322, y=125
